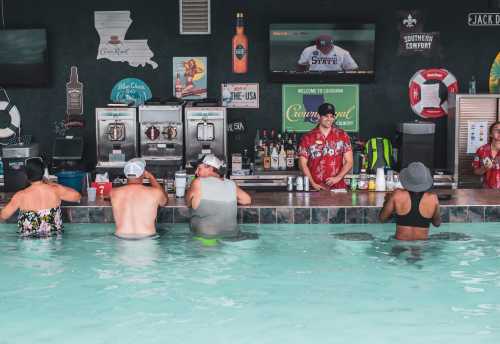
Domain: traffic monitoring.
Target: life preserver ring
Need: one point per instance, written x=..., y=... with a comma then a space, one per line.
x=446, y=83
x=15, y=120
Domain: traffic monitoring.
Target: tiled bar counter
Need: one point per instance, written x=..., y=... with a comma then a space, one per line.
x=465, y=205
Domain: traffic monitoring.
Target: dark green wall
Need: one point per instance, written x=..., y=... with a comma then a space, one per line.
x=383, y=103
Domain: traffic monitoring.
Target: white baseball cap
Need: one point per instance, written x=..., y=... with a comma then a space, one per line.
x=134, y=168
x=212, y=160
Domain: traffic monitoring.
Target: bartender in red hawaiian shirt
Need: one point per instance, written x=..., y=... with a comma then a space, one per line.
x=325, y=154
x=486, y=163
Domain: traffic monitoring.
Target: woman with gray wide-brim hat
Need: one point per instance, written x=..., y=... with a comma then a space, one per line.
x=415, y=207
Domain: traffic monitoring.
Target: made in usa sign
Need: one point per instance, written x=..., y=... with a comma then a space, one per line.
x=483, y=19
x=240, y=95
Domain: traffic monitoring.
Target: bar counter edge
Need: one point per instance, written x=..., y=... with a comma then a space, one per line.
x=361, y=207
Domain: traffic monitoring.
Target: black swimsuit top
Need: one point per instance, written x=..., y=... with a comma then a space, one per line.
x=414, y=218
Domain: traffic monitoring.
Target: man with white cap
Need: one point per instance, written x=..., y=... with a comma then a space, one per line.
x=135, y=206
x=415, y=207
x=214, y=201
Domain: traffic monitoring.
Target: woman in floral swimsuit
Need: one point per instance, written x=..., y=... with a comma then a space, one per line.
x=39, y=204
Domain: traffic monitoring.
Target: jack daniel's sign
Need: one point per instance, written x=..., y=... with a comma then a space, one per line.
x=483, y=19
x=74, y=101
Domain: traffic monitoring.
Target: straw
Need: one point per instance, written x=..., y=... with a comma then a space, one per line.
x=88, y=179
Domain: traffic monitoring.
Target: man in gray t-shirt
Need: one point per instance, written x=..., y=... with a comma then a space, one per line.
x=214, y=200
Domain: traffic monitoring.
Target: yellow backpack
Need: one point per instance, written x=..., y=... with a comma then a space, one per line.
x=378, y=152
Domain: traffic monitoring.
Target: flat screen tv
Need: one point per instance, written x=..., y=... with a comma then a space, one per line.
x=312, y=52
x=24, y=58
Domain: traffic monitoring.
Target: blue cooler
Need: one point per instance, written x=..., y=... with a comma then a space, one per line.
x=72, y=179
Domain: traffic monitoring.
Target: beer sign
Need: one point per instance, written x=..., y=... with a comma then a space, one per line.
x=240, y=96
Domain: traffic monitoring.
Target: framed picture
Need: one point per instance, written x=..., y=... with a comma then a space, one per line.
x=190, y=77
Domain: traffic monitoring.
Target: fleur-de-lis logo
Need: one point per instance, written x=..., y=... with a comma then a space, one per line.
x=410, y=21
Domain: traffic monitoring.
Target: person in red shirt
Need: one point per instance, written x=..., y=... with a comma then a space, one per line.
x=325, y=154
x=486, y=162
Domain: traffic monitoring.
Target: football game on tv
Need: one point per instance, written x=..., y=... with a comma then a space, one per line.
x=322, y=52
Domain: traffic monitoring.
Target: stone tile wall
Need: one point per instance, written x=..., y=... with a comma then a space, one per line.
x=288, y=215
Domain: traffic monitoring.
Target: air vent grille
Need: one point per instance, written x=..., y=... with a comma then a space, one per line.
x=194, y=17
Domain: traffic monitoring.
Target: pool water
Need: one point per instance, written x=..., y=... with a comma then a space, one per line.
x=295, y=284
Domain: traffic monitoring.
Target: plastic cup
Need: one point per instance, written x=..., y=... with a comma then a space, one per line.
x=354, y=183
x=180, y=184
x=91, y=194
x=180, y=191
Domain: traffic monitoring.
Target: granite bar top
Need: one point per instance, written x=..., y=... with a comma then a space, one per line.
x=364, y=199
x=320, y=199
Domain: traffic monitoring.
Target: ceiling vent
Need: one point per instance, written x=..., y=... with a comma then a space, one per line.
x=194, y=17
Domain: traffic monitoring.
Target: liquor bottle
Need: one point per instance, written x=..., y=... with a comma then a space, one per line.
x=256, y=149
x=261, y=153
x=293, y=137
x=279, y=143
x=274, y=159
x=240, y=47
x=272, y=136
x=289, y=143
x=267, y=159
x=178, y=87
x=264, y=137
x=472, y=85
x=74, y=94
x=282, y=159
x=286, y=136
x=290, y=156
x=245, y=160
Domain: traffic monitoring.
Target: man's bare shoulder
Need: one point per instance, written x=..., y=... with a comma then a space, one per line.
x=135, y=189
x=196, y=183
x=119, y=190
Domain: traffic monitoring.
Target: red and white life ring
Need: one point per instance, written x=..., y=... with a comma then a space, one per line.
x=428, y=77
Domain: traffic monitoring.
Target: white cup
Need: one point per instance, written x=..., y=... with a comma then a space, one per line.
x=91, y=194
x=180, y=184
x=299, y=183
x=180, y=191
x=380, y=180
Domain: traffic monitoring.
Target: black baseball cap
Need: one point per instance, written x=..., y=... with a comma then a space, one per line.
x=326, y=108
